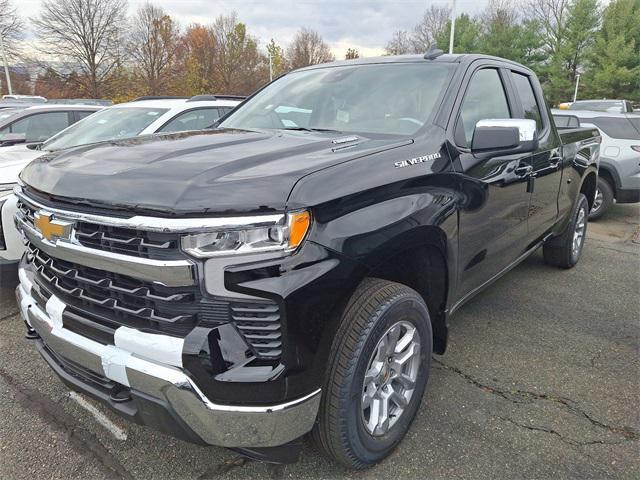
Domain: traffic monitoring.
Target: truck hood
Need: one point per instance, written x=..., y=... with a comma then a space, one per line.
x=211, y=172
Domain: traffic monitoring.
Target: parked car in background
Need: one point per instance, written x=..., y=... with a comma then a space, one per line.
x=16, y=104
x=81, y=101
x=8, y=112
x=619, y=173
x=144, y=116
x=25, y=98
x=604, y=105
x=38, y=123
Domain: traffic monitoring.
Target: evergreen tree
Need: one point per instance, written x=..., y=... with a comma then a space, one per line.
x=614, y=61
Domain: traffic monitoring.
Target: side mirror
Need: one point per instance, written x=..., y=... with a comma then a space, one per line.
x=505, y=136
x=12, y=139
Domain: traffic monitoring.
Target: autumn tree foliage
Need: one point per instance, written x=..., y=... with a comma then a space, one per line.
x=151, y=47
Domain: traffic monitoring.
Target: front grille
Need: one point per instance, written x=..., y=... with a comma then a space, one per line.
x=116, y=299
x=98, y=302
x=127, y=241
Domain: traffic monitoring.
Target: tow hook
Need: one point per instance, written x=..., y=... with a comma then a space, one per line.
x=120, y=395
x=31, y=334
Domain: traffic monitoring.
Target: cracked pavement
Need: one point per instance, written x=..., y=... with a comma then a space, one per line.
x=540, y=381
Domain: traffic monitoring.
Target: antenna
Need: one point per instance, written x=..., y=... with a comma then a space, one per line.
x=433, y=52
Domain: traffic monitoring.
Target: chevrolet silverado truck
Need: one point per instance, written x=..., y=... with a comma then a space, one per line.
x=293, y=270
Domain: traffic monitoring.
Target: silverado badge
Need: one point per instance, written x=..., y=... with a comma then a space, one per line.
x=49, y=228
x=417, y=160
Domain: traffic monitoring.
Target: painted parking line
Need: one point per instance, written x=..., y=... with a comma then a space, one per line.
x=101, y=418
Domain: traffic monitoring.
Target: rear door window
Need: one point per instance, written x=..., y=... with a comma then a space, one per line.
x=566, y=121
x=528, y=99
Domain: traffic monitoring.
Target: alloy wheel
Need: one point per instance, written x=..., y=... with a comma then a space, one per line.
x=390, y=378
x=578, y=233
x=597, y=201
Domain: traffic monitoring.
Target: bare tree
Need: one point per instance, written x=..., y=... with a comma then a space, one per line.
x=433, y=23
x=502, y=12
x=240, y=67
x=552, y=17
x=308, y=48
x=86, y=34
x=152, y=46
x=11, y=27
x=400, y=44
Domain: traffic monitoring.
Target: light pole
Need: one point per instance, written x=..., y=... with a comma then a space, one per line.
x=575, y=92
x=6, y=65
x=270, y=67
x=453, y=26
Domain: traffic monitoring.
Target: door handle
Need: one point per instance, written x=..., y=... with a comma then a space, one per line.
x=523, y=170
x=554, y=162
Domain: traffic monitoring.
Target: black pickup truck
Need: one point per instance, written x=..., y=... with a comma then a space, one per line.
x=293, y=269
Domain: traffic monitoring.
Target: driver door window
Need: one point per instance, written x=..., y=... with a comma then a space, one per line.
x=485, y=98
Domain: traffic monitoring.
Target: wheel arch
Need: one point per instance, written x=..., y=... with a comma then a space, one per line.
x=589, y=187
x=607, y=173
x=425, y=269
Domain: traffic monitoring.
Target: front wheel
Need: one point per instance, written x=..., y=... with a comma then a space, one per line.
x=565, y=250
x=377, y=373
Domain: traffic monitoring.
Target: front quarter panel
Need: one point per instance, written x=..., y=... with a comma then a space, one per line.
x=371, y=209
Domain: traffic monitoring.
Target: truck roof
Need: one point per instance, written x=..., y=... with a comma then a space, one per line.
x=465, y=58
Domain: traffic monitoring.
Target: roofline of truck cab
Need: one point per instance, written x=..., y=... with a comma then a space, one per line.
x=462, y=58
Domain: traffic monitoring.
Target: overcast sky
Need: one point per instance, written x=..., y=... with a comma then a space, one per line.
x=363, y=24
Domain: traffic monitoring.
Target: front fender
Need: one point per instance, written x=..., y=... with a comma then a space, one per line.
x=373, y=227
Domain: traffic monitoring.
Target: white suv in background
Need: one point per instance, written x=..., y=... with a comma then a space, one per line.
x=143, y=116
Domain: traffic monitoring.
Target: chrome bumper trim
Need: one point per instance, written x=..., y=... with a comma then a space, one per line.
x=160, y=224
x=171, y=273
x=222, y=425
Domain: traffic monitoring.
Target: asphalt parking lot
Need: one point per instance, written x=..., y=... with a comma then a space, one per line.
x=541, y=380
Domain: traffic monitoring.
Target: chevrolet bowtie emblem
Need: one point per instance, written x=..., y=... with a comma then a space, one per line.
x=50, y=228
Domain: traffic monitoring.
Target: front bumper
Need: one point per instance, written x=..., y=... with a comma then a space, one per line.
x=158, y=395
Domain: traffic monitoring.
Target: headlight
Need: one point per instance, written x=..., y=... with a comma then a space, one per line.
x=285, y=236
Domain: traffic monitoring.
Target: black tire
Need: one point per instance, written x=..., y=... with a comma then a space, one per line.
x=375, y=307
x=601, y=207
x=559, y=251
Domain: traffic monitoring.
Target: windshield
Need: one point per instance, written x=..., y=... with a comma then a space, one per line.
x=109, y=124
x=393, y=98
x=6, y=113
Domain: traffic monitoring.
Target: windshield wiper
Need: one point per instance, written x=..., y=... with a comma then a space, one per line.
x=306, y=129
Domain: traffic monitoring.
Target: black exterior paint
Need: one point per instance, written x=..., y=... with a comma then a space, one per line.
x=474, y=211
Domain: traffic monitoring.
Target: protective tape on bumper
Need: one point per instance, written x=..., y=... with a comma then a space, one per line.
x=215, y=424
x=161, y=348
